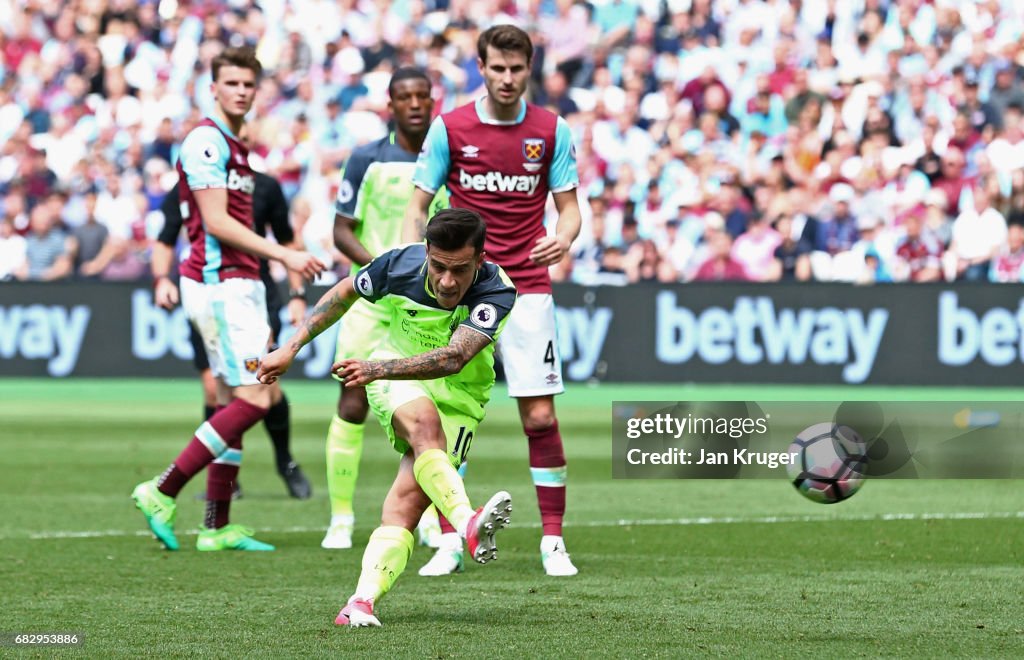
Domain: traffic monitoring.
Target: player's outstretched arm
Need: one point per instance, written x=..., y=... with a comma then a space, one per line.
x=213, y=205
x=416, y=216
x=438, y=363
x=550, y=249
x=325, y=313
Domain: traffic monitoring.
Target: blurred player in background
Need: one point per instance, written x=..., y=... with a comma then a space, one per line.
x=270, y=210
x=376, y=185
x=223, y=296
x=428, y=383
x=500, y=156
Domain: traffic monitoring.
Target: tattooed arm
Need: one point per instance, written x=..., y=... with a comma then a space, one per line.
x=438, y=363
x=327, y=311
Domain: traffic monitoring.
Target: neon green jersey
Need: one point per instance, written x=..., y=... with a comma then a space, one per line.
x=376, y=185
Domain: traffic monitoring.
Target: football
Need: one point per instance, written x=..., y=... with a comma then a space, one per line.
x=831, y=462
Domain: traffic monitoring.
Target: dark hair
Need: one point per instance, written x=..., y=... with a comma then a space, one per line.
x=244, y=57
x=406, y=73
x=452, y=229
x=504, y=38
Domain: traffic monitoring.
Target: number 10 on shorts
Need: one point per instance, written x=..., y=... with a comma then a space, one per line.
x=462, y=444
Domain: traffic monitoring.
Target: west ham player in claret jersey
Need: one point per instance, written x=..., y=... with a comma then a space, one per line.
x=500, y=156
x=223, y=296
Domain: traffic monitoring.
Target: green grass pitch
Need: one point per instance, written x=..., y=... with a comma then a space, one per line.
x=667, y=568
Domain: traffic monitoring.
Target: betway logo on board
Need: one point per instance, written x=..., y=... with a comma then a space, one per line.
x=44, y=332
x=995, y=335
x=754, y=331
x=498, y=182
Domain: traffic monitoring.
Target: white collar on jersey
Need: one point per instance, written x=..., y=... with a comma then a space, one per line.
x=481, y=112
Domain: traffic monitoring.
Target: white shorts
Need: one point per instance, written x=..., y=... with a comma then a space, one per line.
x=528, y=347
x=231, y=317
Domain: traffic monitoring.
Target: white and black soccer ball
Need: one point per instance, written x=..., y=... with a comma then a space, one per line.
x=831, y=462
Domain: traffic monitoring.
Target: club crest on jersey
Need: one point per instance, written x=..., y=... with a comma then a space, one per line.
x=364, y=284
x=252, y=364
x=533, y=149
x=483, y=315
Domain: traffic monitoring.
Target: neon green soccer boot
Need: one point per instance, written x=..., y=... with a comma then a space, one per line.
x=159, y=510
x=229, y=537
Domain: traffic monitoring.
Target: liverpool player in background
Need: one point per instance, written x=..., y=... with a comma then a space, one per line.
x=224, y=298
x=500, y=156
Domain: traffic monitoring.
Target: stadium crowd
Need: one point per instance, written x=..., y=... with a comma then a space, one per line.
x=854, y=140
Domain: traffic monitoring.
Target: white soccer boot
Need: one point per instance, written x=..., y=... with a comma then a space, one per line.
x=447, y=559
x=339, y=534
x=554, y=557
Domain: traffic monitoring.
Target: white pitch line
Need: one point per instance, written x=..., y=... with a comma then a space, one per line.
x=642, y=522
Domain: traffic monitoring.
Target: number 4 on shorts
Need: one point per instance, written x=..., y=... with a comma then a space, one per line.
x=549, y=354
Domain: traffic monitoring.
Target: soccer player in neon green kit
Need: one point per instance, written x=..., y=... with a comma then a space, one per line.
x=428, y=384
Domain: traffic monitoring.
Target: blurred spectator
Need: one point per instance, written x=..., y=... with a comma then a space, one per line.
x=952, y=181
x=14, y=211
x=554, y=95
x=12, y=250
x=1007, y=89
x=918, y=256
x=36, y=178
x=838, y=233
x=792, y=256
x=755, y=249
x=90, y=239
x=720, y=266
x=48, y=249
x=978, y=233
x=1008, y=264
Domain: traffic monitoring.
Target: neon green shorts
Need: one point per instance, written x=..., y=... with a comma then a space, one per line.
x=360, y=330
x=460, y=413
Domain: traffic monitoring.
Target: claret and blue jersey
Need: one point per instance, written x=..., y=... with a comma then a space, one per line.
x=213, y=157
x=504, y=171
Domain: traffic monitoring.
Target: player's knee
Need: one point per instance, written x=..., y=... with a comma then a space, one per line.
x=258, y=395
x=425, y=432
x=538, y=418
x=353, y=406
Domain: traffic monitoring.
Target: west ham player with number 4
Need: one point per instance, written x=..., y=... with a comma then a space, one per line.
x=225, y=300
x=500, y=156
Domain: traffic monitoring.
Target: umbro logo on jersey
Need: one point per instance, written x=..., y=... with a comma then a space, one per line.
x=412, y=312
x=532, y=167
x=470, y=151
